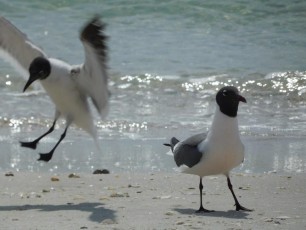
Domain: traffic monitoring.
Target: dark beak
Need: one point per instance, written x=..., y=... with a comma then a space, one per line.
x=30, y=81
x=242, y=99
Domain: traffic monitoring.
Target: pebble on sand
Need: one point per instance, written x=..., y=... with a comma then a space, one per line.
x=54, y=178
x=101, y=171
x=9, y=174
x=73, y=175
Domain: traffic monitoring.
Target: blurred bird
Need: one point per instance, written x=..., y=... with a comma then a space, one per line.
x=69, y=86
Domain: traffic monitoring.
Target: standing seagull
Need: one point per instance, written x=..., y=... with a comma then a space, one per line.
x=68, y=86
x=217, y=152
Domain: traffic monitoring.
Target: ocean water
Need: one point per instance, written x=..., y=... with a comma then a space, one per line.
x=166, y=62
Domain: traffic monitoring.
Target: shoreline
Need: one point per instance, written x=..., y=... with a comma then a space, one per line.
x=150, y=201
x=78, y=154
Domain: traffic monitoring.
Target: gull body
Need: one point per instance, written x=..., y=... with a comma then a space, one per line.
x=218, y=151
x=69, y=86
x=219, y=157
x=70, y=102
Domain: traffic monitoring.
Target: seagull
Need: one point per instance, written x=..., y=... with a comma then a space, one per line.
x=69, y=86
x=218, y=151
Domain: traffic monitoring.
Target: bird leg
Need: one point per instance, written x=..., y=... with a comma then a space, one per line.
x=237, y=204
x=201, y=209
x=47, y=156
x=33, y=144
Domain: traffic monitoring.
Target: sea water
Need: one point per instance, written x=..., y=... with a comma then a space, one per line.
x=167, y=60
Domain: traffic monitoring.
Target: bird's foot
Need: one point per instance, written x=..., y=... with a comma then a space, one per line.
x=240, y=207
x=45, y=156
x=201, y=210
x=32, y=144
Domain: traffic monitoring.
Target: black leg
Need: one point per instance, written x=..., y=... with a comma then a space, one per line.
x=33, y=144
x=47, y=156
x=201, y=209
x=238, y=206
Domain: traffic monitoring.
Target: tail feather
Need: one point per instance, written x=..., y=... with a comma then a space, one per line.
x=173, y=142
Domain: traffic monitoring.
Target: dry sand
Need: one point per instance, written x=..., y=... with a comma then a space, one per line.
x=150, y=201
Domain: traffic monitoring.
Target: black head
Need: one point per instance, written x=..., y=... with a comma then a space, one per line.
x=40, y=68
x=228, y=99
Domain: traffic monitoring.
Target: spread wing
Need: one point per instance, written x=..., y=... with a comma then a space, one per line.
x=93, y=76
x=187, y=153
x=16, y=47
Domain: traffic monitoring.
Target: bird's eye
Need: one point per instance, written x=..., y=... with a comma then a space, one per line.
x=41, y=73
x=225, y=93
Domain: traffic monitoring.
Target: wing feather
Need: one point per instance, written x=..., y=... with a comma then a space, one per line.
x=195, y=139
x=16, y=47
x=187, y=153
x=93, y=78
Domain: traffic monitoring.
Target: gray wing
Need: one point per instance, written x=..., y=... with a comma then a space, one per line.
x=195, y=139
x=93, y=77
x=16, y=47
x=187, y=153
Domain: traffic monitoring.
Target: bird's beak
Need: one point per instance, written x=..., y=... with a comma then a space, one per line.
x=32, y=78
x=242, y=99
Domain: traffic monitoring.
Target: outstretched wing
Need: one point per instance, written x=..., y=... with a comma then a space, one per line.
x=16, y=47
x=187, y=153
x=93, y=76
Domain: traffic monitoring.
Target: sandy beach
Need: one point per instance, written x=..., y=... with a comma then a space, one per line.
x=150, y=201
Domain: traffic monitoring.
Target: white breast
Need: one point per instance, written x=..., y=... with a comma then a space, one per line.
x=66, y=96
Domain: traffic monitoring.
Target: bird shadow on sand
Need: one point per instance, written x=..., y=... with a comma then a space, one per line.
x=97, y=212
x=231, y=214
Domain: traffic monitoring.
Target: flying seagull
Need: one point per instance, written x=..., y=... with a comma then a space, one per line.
x=69, y=86
x=218, y=151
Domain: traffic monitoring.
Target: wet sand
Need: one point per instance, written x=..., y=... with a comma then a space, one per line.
x=120, y=154
x=150, y=201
